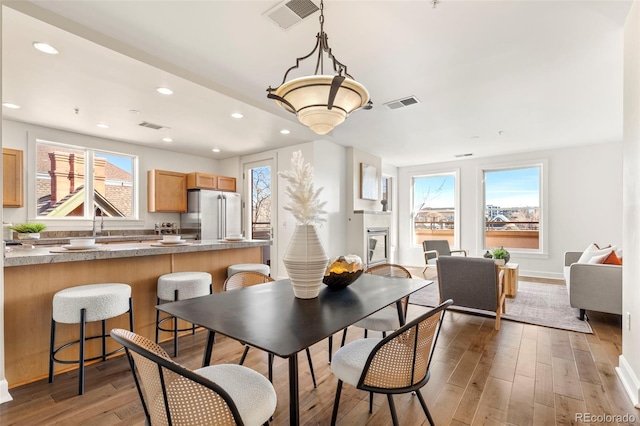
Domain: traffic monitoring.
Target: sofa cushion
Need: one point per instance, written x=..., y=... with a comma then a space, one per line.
x=592, y=252
x=612, y=259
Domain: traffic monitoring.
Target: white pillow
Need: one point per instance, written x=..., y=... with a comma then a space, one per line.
x=599, y=258
x=592, y=251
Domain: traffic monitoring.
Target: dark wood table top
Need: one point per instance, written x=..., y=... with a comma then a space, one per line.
x=269, y=317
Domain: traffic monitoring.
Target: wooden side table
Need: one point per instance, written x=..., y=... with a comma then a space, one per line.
x=510, y=282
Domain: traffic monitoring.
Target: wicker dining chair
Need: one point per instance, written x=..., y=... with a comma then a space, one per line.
x=398, y=363
x=248, y=278
x=171, y=394
x=386, y=319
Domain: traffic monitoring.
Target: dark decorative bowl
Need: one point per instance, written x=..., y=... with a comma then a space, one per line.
x=339, y=281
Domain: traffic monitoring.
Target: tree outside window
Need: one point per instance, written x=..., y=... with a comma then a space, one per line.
x=261, y=202
x=434, y=208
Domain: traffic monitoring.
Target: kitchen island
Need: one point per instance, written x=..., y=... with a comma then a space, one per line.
x=33, y=276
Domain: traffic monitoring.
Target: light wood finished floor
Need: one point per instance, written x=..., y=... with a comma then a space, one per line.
x=521, y=375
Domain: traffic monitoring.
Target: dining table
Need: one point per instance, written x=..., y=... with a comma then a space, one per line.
x=269, y=316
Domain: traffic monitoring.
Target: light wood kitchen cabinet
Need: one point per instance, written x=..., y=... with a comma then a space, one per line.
x=12, y=176
x=226, y=183
x=166, y=191
x=198, y=180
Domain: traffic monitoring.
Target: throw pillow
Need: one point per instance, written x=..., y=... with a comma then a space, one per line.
x=592, y=251
x=612, y=259
x=599, y=258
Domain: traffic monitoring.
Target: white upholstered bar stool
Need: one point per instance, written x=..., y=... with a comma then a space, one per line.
x=248, y=267
x=180, y=286
x=83, y=304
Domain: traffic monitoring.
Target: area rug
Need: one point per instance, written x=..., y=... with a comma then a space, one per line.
x=535, y=303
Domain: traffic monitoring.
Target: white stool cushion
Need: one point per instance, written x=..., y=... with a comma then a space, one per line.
x=101, y=301
x=385, y=319
x=188, y=284
x=252, y=393
x=348, y=362
x=250, y=267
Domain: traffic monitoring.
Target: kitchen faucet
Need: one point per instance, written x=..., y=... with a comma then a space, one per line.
x=97, y=212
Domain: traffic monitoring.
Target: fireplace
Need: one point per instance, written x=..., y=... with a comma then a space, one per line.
x=377, y=243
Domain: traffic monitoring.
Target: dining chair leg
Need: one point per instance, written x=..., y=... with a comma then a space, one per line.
x=336, y=402
x=344, y=337
x=392, y=407
x=330, y=347
x=370, y=402
x=424, y=408
x=313, y=375
x=384, y=334
x=365, y=333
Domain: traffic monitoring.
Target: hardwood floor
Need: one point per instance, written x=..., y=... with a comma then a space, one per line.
x=521, y=375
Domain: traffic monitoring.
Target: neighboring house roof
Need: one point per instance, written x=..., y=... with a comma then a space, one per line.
x=73, y=201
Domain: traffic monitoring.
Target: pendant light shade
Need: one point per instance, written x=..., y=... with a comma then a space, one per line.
x=321, y=101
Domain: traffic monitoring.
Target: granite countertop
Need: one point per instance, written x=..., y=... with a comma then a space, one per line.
x=56, y=241
x=24, y=255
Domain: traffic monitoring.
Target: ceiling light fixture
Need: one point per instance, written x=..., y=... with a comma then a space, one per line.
x=237, y=115
x=216, y=150
x=164, y=91
x=10, y=105
x=167, y=140
x=285, y=131
x=103, y=125
x=45, y=48
x=320, y=101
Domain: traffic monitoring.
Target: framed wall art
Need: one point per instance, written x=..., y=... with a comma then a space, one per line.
x=368, y=182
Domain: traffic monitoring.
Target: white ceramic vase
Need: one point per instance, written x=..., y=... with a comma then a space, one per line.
x=306, y=262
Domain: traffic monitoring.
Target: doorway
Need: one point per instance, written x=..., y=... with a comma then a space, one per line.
x=260, y=208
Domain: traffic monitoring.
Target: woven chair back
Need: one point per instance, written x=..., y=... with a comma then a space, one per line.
x=401, y=361
x=392, y=270
x=170, y=393
x=245, y=279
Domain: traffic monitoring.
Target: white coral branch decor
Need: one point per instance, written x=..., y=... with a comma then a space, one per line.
x=304, y=203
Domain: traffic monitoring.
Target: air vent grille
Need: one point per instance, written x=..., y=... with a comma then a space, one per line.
x=401, y=103
x=153, y=126
x=463, y=155
x=289, y=13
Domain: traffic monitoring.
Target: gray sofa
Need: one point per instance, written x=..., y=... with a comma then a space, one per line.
x=595, y=287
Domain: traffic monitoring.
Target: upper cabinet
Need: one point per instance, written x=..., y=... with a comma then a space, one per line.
x=12, y=175
x=199, y=180
x=166, y=191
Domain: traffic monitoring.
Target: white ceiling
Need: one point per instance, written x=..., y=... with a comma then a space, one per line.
x=493, y=77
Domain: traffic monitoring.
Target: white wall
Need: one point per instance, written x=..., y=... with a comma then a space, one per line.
x=629, y=365
x=584, y=203
x=392, y=171
x=17, y=135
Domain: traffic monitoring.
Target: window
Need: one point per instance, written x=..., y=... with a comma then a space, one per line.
x=261, y=203
x=386, y=185
x=512, y=213
x=435, y=211
x=73, y=181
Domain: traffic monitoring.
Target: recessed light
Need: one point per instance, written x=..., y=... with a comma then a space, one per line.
x=10, y=105
x=45, y=47
x=237, y=115
x=103, y=125
x=135, y=111
x=216, y=150
x=164, y=91
x=475, y=137
x=167, y=140
x=285, y=131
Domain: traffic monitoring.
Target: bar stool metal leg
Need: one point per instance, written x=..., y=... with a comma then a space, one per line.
x=104, y=340
x=83, y=313
x=51, y=348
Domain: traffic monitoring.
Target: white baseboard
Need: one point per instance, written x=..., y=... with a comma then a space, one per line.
x=4, y=392
x=629, y=380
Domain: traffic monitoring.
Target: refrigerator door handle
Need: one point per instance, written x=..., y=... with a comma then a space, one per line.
x=223, y=216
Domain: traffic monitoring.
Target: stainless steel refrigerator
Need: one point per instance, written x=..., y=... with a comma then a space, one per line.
x=212, y=215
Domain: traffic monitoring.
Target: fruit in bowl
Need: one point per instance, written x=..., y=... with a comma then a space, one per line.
x=342, y=271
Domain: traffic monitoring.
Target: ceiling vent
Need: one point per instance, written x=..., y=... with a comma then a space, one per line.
x=153, y=126
x=463, y=155
x=291, y=12
x=401, y=103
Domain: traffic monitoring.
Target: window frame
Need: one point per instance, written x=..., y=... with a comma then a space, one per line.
x=542, y=164
x=77, y=222
x=457, y=234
